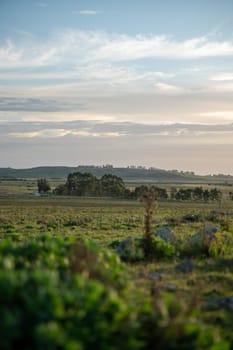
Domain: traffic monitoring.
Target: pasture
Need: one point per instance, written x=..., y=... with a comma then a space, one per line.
x=110, y=221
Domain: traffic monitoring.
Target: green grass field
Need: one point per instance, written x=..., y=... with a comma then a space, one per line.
x=106, y=220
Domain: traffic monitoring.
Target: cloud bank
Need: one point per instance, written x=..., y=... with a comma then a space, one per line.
x=96, y=46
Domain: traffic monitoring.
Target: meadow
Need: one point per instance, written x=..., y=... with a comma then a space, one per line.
x=191, y=308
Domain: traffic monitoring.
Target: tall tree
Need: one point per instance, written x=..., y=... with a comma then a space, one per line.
x=43, y=186
x=82, y=184
x=112, y=185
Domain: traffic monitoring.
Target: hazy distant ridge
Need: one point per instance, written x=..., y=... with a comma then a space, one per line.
x=127, y=173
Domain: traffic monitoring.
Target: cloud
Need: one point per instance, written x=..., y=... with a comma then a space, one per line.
x=170, y=89
x=99, y=72
x=124, y=47
x=226, y=115
x=57, y=133
x=36, y=104
x=46, y=133
x=81, y=128
x=222, y=77
x=10, y=55
x=223, y=87
x=86, y=12
x=202, y=148
x=72, y=46
x=109, y=75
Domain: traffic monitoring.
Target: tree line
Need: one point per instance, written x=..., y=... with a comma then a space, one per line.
x=87, y=184
x=196, y=194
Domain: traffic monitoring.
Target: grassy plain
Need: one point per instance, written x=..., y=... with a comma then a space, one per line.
x=106, y=220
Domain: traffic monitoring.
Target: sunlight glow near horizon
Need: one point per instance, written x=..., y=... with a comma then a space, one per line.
x=128, y=82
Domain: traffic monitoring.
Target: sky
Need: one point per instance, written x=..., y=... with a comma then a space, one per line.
x=126, y=82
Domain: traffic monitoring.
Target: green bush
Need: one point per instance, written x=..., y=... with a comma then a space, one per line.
x=217, y=245
x=60, y=294
x=162, y=249
x=173, y=325
x=39, y=310
x=88, y=259
x=132, y=249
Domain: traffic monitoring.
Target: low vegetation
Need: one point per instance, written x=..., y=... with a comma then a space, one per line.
x=63, y=294
x=81, y=273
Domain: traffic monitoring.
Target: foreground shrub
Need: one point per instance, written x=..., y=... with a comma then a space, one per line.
x=86, y=258
x=208, y=242
x=87, y=303
x=173, y=325
x=132, y=249
x=162, y=249
x=39, y=311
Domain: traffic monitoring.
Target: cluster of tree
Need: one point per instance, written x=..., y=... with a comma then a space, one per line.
x=43, y=186
x=196, y=194
x=87, y=184
x=159, y=193
x=231, y=196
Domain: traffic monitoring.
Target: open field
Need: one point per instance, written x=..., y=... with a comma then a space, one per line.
x=108, y=222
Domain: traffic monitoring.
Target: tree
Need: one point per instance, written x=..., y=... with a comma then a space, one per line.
x=173, y=193
x=112, y=185
x=161, y=193
x=43, y=186
x=139, y=191
x=61, y=189
x=184, y=194
x=215, y=194
x=82, y=184
x=198, y=193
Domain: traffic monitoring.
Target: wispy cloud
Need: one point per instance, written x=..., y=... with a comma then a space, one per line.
x=90, y=128
x=171, y=89
x=10, y=55
x=57, y=133
x=37, y=104
x=222, y=77
x=213, y=115
x=70, y=46
x=86, y=12
x=103, y=72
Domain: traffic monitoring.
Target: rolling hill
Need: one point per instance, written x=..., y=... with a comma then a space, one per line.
x=127, y=173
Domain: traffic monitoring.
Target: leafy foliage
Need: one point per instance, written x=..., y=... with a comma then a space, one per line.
x=87, y=184
x=210, y=244
x=112, y=185
x=162, y=249
x=43, y=186
x=75, y=296
x=133, y=249
x=196, y=194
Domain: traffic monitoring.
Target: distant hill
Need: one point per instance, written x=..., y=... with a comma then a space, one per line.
x=127, y=174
